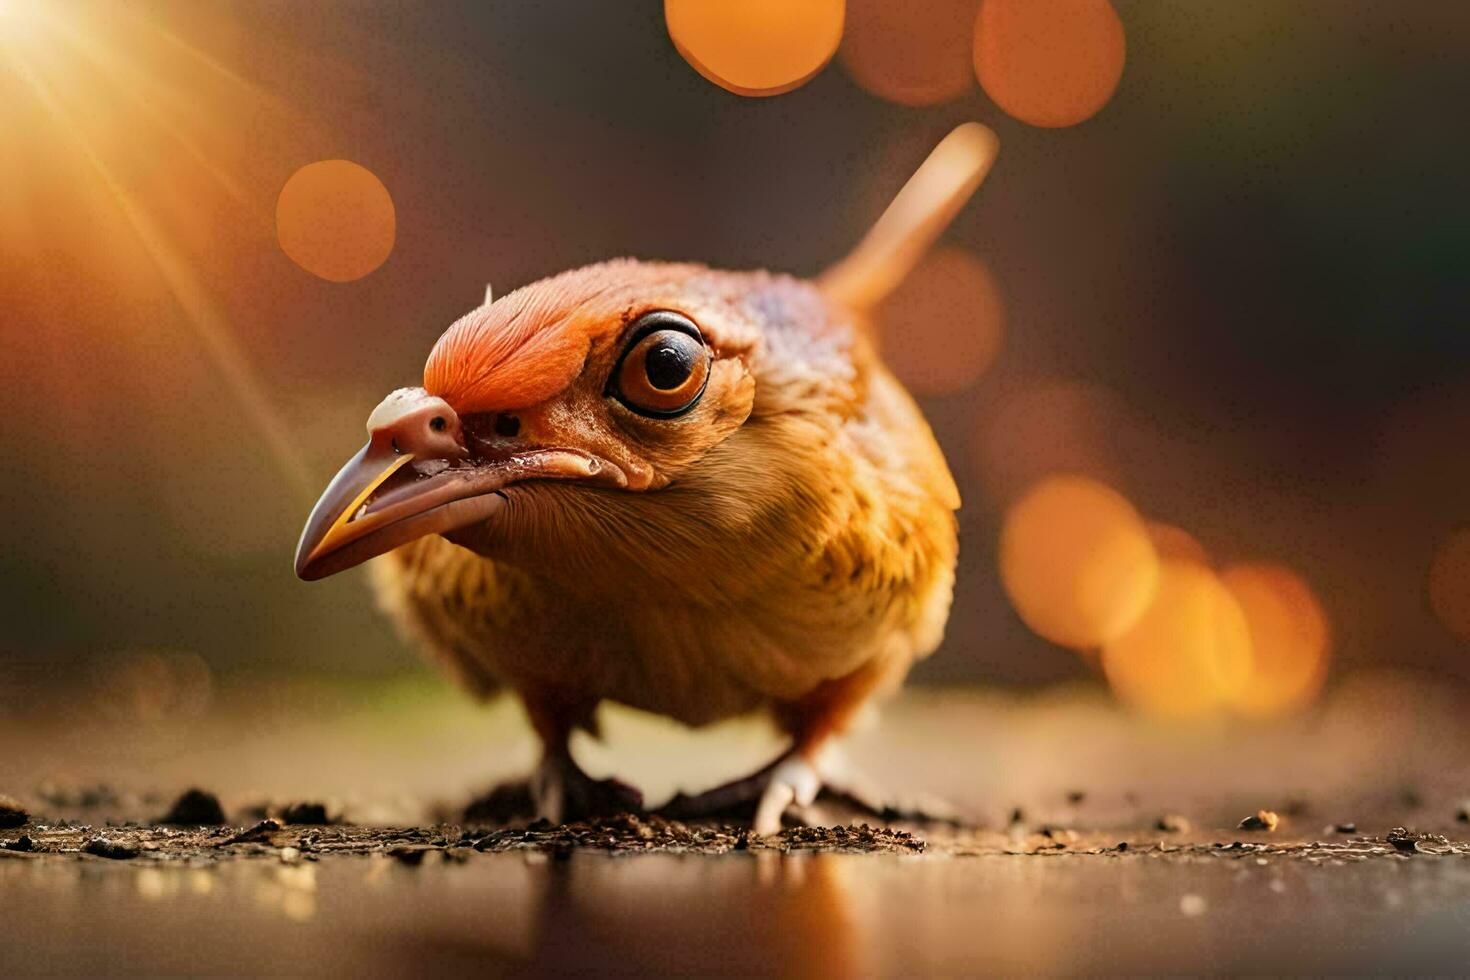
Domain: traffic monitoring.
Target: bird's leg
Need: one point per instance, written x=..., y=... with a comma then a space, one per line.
x=560, y=789
x=813, y=762
x=816, y=721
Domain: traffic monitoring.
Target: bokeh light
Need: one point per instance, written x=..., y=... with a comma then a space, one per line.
x=335, y=219
x=1289, y=638
x=756, y=47
x=1449, y=583
x=1077, y=562
x=943, y=326
x=1189, y=654
x=1049, y=62
x=1172, y=541
x=914, y=54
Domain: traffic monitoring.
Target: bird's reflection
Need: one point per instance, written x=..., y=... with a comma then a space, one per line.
x=793, y=913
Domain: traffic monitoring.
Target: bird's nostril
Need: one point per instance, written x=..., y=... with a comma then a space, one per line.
x=507, y=425
x=437, y=423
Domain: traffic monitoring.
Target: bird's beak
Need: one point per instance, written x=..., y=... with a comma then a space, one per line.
x=415, y=477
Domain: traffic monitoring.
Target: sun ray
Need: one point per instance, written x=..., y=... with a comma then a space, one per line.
x=209, y=323
x=197, y=54
x=110, y=65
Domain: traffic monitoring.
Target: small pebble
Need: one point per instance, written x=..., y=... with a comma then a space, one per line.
x=1407, y=842
x=1347, y=827
x=195, y=808
x=259, y=832
x=113, y=850
x=1261, y=820
x=21, y=843
x=12, y=814
x=307, y=813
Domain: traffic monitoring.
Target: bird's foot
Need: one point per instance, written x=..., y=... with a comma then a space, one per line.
x=794, y=782
x=793, y=779
x=563, y=792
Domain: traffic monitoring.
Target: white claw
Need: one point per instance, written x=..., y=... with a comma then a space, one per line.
x=794, y=781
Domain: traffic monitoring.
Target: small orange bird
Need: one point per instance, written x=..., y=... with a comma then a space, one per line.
x=694, y=492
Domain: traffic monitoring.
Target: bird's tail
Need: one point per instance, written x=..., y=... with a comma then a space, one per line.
x=921, y=211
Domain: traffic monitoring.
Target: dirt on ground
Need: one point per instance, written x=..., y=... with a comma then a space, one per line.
x=192, y=829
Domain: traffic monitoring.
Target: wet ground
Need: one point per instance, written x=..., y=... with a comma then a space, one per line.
x=298, y=900
x=1089, y=844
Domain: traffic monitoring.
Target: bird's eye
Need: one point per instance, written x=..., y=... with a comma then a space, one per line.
x=663, y=371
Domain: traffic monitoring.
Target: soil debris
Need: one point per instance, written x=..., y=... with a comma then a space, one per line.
x=1265, y=820
x=1408, y=842
x=112, y=850
x=628, y=835
x=1463, y=814
x=631, y=833
x=12, y=814
x=1346, y=827
x=195, y=808
x=307, y=814
x=625, y=832
x=860, y=838
x=260, y=833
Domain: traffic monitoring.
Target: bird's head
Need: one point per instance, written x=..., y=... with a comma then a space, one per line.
x=559, y=411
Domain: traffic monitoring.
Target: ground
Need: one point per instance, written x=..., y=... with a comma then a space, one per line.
x=1088, y=843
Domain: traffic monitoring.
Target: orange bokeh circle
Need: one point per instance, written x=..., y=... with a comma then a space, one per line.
x=914, y=54
x=1189, y=654
x=1049, y=62
x=335, y=219
x=943, y=326
x=756, y=47
x=1289, y=638
x=1076, y=561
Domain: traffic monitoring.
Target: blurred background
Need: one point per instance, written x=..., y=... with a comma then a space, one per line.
x=1202, y=337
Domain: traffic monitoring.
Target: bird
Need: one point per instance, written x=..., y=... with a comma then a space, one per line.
x=695, y=492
